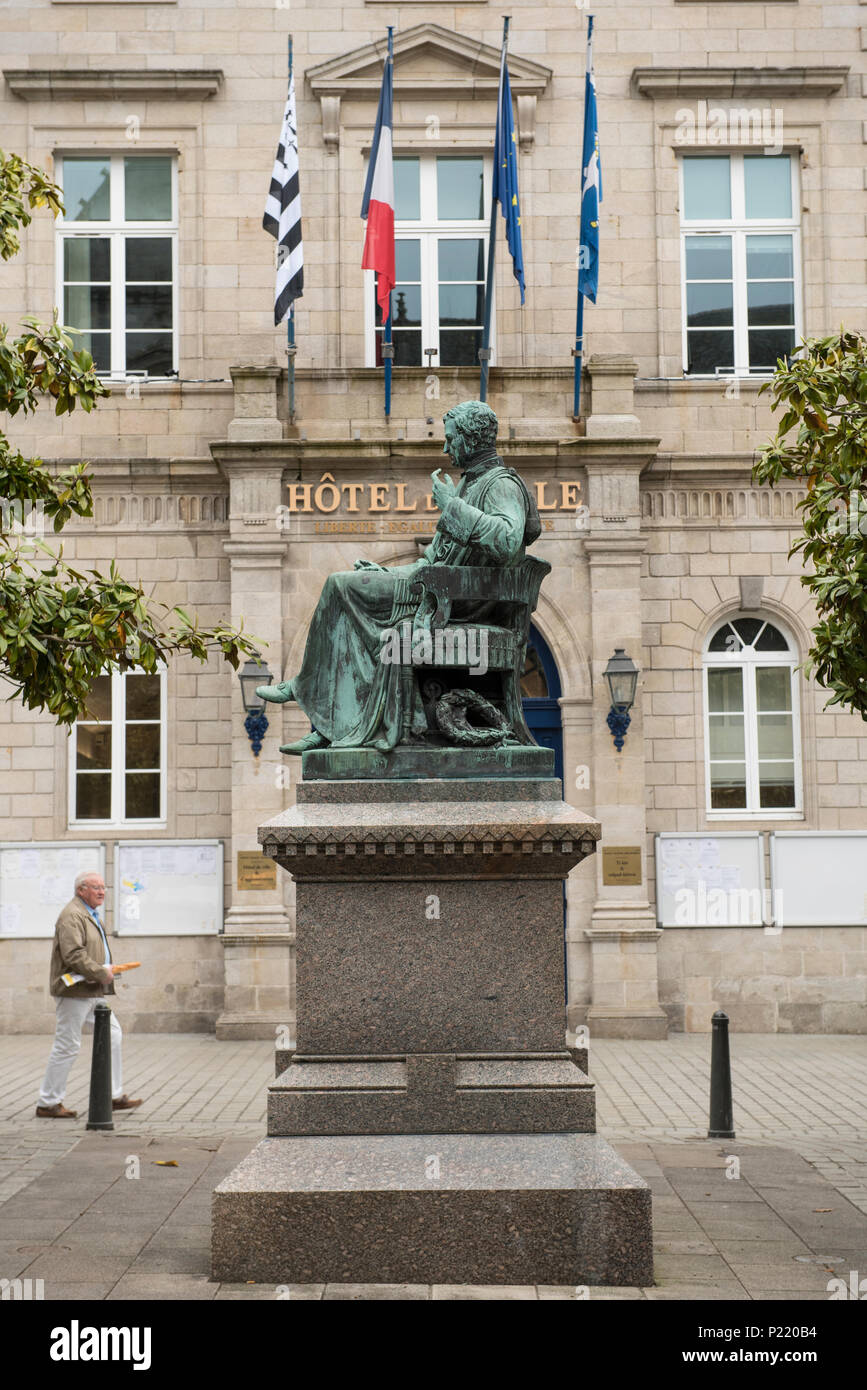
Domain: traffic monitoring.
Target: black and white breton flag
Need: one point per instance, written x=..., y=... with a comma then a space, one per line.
x=283, y=213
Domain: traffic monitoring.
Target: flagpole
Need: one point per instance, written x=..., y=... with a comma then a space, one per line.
x=578, y=350
x=387, y=346
x=290, y=322
x=578, y=355
x=485, y=349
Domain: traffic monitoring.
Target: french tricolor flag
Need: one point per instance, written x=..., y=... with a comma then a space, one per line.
x=377, y=207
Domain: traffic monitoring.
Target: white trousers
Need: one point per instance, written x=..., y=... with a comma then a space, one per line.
x=72, y=1016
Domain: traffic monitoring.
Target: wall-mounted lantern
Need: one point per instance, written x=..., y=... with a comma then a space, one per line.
x=621, y=673
x=254, y=673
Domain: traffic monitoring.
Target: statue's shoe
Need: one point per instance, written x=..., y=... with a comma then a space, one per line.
x=304, y=745
x=279, y=693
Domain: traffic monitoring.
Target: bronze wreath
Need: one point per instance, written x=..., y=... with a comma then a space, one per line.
x=451, y=716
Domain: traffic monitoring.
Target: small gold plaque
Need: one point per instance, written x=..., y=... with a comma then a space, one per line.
x=255, y=872
x=621, y=866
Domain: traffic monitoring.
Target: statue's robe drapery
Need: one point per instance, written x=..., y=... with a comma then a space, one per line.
x=347, y=692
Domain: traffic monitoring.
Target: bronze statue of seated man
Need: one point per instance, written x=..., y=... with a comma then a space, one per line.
x=351, y=695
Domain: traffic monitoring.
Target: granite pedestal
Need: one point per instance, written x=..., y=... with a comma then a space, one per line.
x=431, y=1125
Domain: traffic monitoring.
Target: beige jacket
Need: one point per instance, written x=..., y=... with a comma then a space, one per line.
x=78, y=948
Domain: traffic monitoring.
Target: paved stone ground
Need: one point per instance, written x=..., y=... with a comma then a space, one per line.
x=795, y=1217
x=778, y=1231
x=804, y=1092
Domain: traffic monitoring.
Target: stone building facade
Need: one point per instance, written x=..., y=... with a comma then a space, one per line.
x=161, y=119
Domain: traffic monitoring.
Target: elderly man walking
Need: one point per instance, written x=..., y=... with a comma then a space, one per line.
x=80, y=949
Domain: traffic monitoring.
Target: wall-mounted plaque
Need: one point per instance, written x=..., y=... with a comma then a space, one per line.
x=621, y=866
x=255, y=872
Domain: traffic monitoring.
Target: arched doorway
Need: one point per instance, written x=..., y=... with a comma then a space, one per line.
x=540, y=688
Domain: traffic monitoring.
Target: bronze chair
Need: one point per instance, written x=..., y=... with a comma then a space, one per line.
x=510, y=596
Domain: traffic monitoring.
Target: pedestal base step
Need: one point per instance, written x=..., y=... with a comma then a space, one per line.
x=407, y=761
x=434, y=1209
x=432, y=1094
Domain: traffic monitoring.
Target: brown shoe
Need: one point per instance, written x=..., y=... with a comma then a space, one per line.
x=124, y=1103
x=55, y=1112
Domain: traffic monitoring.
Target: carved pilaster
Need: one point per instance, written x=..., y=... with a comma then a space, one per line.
x=623, y=935
x=258, y=974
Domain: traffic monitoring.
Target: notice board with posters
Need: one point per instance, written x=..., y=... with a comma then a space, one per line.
x=168, y=887
x=709, y=880
x=37, y=880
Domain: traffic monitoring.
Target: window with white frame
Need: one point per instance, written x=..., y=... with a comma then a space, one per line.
x=752, y=735
x=118, y=752
x=440, y=231
x=117, y=260
x=741, y=283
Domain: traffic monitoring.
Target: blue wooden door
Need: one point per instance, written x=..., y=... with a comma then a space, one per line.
x=540, y=688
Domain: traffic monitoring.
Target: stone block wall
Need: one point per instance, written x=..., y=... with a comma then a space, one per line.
x=179, y=988
x=175, y=565
x=692, y=582
x=802, y=980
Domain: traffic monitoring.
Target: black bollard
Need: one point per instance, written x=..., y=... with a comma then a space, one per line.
x=99, y=1111
x=721, y=1119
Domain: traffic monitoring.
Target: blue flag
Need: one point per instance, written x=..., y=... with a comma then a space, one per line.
x=591, y=184
x=506, y=173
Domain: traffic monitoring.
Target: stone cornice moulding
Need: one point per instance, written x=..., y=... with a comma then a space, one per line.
x=373, y=375
x=255, y=553
x=176, y=474
x=473, y=70
x=58, y=84
x=360, y=454
x=458, y=844
x=723, y=83
x=702, y=467
x=615, y=548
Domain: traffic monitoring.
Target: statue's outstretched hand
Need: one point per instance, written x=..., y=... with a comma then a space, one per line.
x=367, y=565
x=443, y=488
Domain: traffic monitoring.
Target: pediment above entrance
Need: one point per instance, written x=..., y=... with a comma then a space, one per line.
x=429, y=61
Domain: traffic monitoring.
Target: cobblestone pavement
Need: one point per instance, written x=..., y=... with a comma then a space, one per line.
x=807, y=1093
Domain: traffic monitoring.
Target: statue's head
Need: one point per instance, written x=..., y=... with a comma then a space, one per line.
x=470, y=427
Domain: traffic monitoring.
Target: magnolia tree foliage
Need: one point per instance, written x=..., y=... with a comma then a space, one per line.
x=60, y=627
x=821, y=441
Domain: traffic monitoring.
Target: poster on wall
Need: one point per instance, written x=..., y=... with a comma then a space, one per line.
x=37, y=880
x=168, y=887
x=711, y=880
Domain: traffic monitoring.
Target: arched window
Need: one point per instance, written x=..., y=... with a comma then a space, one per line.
x=752, y=736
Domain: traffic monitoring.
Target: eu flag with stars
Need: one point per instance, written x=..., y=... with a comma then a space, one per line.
x=506, y=175
x=591, y=184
